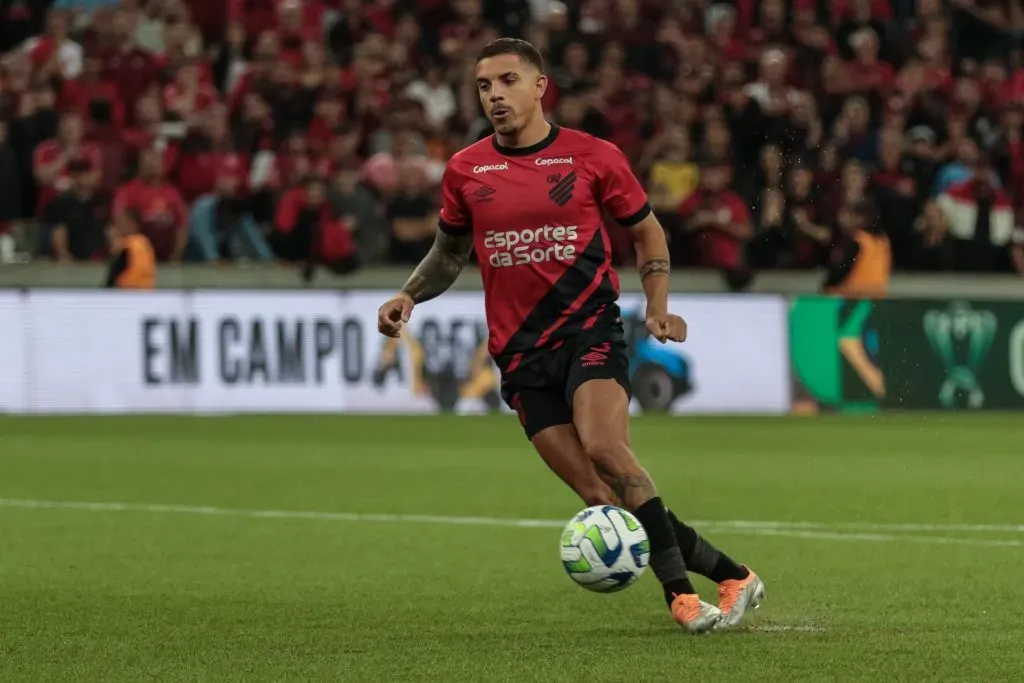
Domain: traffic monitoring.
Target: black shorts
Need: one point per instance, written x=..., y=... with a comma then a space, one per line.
x=540, y=385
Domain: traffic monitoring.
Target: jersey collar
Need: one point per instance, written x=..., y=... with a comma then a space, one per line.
x=526, y=151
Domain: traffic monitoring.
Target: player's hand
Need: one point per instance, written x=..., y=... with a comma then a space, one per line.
x=393, y=314
x=666, y=327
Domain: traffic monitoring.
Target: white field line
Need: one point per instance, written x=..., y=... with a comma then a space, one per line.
x=807, y=530
x=784, y=628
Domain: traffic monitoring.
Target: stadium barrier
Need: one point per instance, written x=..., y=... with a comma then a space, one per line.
x=76, y=351
x=81, y=351
x=907, y=354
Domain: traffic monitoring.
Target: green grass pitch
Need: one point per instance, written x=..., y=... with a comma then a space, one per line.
x=895, y=552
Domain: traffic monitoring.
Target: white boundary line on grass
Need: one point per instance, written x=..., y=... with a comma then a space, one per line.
x=865, y=532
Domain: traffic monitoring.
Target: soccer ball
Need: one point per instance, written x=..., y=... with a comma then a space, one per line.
x=605, y=549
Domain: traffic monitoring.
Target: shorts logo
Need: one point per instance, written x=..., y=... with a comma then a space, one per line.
x=483, y=193
x=503, y=166
x=597, y=356
x=561, y=191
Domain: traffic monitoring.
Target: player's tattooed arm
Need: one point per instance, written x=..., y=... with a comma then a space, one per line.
x=655, y=265
x=441, y=267
x=652, y=262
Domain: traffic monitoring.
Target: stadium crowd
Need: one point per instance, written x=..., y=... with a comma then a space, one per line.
x=297, y=129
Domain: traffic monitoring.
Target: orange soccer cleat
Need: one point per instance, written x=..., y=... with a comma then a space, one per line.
x=736, y=596
x=693, y=614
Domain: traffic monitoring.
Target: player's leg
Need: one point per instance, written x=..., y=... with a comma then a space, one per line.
x=560, y=449
x=547, y=421
x=601, y=417
x=700, y=556
x=534, y=388
x=739, y=588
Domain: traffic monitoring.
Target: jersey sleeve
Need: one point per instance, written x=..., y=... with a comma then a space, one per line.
x=455, y=218
x=619, y=191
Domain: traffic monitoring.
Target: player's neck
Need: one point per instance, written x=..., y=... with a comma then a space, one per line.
x=529, y=135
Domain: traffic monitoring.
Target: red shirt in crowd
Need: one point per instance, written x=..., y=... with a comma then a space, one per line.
x=48, y=152
x=78, y=94
x=717, y=248
x=195, y=170
x=877, y=76
x=334, y=241
x=160, y=209
x=205, y=97
x=132, y=70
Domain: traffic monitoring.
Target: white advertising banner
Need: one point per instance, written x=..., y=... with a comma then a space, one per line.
x=270, y=352
x=440, y=362
x=214, y=352
x=12, y=352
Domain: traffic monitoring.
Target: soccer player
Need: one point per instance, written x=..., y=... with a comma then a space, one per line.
x=530, y=200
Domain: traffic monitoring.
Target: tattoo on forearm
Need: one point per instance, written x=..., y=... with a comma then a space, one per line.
x=655, y=266
x=634, y=489
x=440, y=268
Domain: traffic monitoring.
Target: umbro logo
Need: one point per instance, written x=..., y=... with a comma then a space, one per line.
x=561, y=191
x=483, y=193
x=597, y=356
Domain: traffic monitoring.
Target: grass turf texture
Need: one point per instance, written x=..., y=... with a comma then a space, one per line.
x=136, y=596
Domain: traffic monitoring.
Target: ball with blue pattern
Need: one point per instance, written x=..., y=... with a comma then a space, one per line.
x=605, y=549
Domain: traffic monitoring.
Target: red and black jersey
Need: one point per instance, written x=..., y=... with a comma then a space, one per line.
x=536, y=216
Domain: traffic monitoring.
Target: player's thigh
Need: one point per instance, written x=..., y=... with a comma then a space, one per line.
x=598, y=389
x=538, y=403
x=560, y=448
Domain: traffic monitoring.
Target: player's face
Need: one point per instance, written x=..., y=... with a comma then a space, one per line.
x=510, y=91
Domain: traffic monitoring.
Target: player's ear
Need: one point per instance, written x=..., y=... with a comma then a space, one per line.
x=542, y=86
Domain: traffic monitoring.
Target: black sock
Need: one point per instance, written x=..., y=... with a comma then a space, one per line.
x=666, y=558
x=702, y=557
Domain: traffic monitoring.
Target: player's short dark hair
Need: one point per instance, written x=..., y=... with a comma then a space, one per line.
x=513, y=46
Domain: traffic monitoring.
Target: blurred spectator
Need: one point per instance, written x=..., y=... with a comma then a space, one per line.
x=77, y=219
x=147, y=129
x=979, y=223
x=10, y=182
x=229, y=63
x=205, y=148
x=20, y=20
x=413, y=216
x=790, y=233
x=354, y=203
x=896, y=190
x=157, y=206
x=221, y=227
x=381, y=170
x=51, y=158
x=717, y=221
x=133, y=265
x=860, y=264
x=130, y=68
x=95, y=98
x=435, y=95
x=307, y=232
x=188, y=95
x=853, y=133
x=673, y=175
x=962, y=167
x=54, y=54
